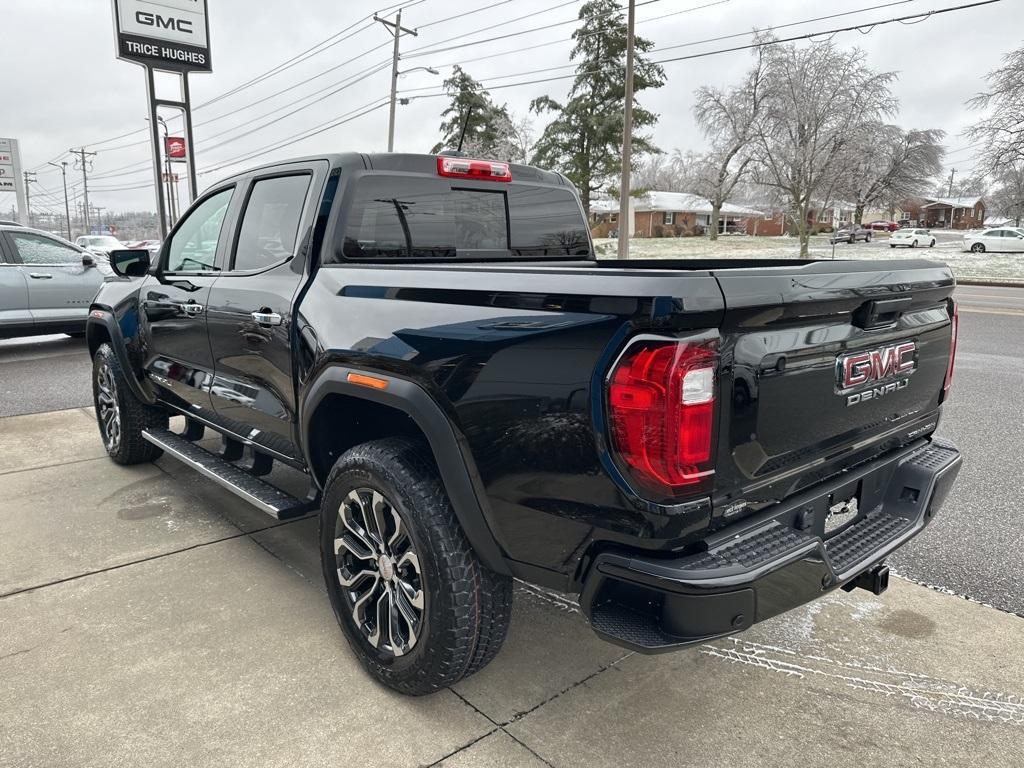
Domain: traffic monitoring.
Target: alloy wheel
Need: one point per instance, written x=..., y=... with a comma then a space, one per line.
x=379, y=572
x=109, y=410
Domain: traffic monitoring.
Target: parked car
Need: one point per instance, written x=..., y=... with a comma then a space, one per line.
x=474, y=397
x=103, y=244
x=46, y=283
x=912, y=238
x=850, y=233
x=150, y=245
x=1001, y=239
x=883, y=226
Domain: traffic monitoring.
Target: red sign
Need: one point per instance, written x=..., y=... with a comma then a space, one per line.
x=174, y=146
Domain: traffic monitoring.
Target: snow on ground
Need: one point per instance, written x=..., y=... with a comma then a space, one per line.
x=948, y=249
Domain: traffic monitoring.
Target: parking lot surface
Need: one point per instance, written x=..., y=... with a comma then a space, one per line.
x=150, y=618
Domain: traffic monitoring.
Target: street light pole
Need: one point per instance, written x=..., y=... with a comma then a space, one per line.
x=172, y=201
x=63, y=166
x=396, y=29
x=627, y=139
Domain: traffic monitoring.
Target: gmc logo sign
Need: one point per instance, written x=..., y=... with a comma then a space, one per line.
x=147, y=19
x=860, y=369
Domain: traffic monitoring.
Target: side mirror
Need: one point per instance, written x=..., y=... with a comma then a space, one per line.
x=88, y=260
x=132, y=262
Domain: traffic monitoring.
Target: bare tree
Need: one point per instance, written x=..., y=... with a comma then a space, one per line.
x=819, y=97
x=884, y=163
x=729, y=119
x=1007, y=198
x=1001, y=134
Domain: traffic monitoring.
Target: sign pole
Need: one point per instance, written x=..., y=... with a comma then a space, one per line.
x=190, y=154
x=154, y=140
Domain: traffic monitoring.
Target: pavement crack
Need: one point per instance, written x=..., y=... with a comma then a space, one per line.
x=605, y=667
x=141, y=560
x=17, y=653
x=464, y=747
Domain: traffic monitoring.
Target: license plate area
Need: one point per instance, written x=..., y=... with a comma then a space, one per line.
x=844, y=508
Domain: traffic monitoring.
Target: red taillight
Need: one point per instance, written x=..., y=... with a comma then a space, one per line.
x=661, y=402
x=481, y=170
x=954, y=323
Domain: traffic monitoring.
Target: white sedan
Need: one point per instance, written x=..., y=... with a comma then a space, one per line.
x=911, y=238
x=1005, y=239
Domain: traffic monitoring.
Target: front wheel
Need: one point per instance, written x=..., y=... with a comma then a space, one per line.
x=978, y=248
x=121, y=416
x=891, y=245
x=913, y=244
x=417, y=606
x=932, y=243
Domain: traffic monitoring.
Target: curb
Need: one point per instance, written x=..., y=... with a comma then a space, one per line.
x=992, y=283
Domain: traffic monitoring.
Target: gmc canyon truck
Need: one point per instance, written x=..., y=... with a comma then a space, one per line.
x=690, y=446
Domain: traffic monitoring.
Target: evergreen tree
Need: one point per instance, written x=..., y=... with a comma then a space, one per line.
x=584, y=141
x=488, y=126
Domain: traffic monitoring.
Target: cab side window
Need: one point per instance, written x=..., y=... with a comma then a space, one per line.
x=38, y=249
x=270, y=223
x=193, y=248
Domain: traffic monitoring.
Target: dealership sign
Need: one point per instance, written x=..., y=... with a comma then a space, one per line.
x=163, y=34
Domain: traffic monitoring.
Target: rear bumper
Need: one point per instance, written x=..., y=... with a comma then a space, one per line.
x=760, y=568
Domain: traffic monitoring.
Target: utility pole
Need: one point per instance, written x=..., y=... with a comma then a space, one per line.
x=63, y=167
x=395, y=28
x=952, y=173
x=30, y=177
x=172, y=203
x=81, y=161
x=627, y=138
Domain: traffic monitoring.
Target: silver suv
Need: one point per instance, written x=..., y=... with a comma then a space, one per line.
x=46, y=283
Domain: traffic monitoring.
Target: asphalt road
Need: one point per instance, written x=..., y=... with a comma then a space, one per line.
x=976, y=546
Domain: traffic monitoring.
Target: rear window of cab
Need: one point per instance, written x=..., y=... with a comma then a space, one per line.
x=394, y=217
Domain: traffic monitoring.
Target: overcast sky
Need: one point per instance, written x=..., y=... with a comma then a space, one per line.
x=63, y=86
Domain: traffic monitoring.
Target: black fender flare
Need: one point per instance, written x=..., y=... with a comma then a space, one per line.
x=105, y=318
x=451, y=453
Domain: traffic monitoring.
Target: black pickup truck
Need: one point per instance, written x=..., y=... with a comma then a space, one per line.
x=691, y=446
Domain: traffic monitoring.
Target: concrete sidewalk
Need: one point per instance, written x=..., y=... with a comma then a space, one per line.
x=150, y=618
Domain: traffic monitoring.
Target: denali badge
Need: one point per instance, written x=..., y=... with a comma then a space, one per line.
x=858, y=369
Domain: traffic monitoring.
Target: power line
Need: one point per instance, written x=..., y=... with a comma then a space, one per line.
x=666, y=47
x=295, y=138
x=808, y=36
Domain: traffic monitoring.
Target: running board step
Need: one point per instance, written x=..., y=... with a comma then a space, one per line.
x=271, y=500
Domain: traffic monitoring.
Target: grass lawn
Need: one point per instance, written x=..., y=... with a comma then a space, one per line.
x=988, y=266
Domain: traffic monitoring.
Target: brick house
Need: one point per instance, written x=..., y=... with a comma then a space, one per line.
x=945, y=212
x=670, y=214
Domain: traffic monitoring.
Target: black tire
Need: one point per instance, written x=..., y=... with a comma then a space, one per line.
x=867, y=238
x=853, y=239
x=913, y=244
x=110, y=392
x=891, y=245
x=978, y=248
x=932, y=243
x=459, y=609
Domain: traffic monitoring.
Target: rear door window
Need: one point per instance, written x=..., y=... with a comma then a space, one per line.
x=420, y=218
x=270, y=224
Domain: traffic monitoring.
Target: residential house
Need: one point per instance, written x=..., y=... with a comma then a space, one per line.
x=944, y=212
x=670, y=214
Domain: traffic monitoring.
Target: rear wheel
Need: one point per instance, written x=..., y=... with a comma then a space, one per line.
x=418, y=608
x=978, y=248
x=913, y=244
x=121, y=416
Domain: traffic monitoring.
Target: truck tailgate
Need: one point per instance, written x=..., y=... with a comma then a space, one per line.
x=825, y=365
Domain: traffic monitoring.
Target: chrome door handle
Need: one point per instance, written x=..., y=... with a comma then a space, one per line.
x=267, y=318
x=192, y=309
x=40, y=276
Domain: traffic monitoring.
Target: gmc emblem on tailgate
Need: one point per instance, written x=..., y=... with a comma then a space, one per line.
x=880, y=371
